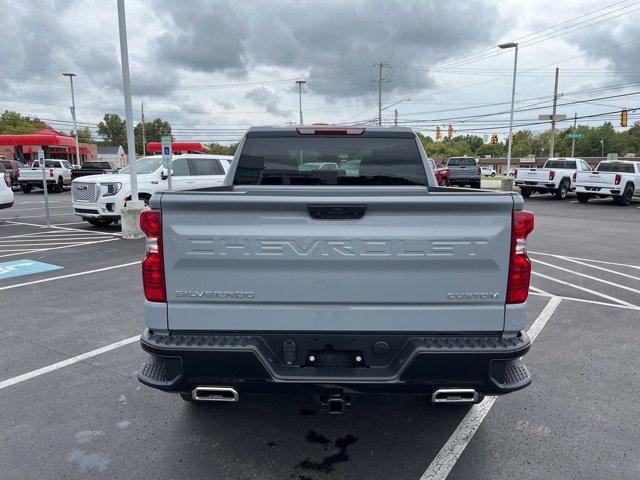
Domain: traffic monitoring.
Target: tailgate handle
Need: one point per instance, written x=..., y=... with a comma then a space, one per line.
x=337, y=212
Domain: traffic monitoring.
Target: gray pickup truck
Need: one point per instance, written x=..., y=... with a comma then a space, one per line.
x=366, y=279
x=464, y=171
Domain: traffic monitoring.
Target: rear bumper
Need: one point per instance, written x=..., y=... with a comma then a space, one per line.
x=281, y=363
x=37, y=182
x=598, y=190
x=536, y=185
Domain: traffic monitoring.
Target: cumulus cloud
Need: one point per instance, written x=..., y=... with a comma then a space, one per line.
x=266, y=98
x=332, y=41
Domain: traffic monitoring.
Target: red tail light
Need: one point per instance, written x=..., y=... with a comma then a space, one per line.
x=515, y=172
x=17, y=173
x=479, y=171
x=152, y=263
x=51, y=173
x=7, y=179
x=574, y=176
x=618, y=179
x=552, y=174
x=519, y=263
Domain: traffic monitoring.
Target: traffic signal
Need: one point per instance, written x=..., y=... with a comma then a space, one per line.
x=438, y=133
x=450, y=131
x=624, y=117
x=494, y=139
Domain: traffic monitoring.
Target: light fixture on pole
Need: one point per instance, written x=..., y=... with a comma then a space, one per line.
x=513, y=97
x=300, y=82
x=73, y=115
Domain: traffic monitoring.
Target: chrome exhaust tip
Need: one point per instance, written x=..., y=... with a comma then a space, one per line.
x=215, y=394
x=455, y=395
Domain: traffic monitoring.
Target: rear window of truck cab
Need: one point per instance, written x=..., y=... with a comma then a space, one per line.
x=615, y=167
x=461, y=162
x=330, y=160
x=567, y=164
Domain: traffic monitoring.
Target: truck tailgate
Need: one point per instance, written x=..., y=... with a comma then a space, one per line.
x=533, y=174
x=256, y=260
x=596, y=178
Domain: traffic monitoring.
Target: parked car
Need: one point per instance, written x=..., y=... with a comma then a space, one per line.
x=6, y=194
x=99, y=198
x=619, y=179
x=58, y=174
x=488, y=171
x=441, y=173
x=94, y=168
x=464, y=171
x=557, y=177
x=286, y=280
x=13, y=168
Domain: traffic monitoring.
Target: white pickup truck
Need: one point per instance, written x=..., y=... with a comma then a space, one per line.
x=99, y=198
x=611, y=178
x=57, y=173
x=557, y=176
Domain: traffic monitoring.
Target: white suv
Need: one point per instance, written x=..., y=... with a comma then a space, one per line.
x=99, y=198
x=6, y=194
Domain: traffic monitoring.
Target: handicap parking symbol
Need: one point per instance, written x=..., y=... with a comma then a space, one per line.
x=167, y=150
x=18, y=268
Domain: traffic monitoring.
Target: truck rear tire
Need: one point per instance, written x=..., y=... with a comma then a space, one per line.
x=59, y=185
x=624, y=200
x=26, y=188
x=563, y=189
x=476, y=184
x=583, y=197
x=525, y=192
x=186, y=397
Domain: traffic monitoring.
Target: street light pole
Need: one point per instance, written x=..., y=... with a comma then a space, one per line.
x=300, y=82
x=73, y=107
x=126, y=86
x=513, y=97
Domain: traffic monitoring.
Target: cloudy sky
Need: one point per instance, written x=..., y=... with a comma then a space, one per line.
x=213, y=68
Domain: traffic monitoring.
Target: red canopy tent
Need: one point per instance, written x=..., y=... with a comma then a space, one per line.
x=51, y=140
x=179, y=147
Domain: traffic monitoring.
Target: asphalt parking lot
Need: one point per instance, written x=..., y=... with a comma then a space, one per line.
x=73, y=408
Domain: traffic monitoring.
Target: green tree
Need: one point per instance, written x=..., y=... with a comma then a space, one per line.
x=84, y=135
x=218, y=149
x=154, y=131
x=113, y=130
x=13, y=122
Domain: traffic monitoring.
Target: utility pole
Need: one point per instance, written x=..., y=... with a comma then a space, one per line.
x=552, y=140
x=144, y=136
x=73, y=111
x=509, y=182
x=380, y=66
x=573, y=142
x=602, y=147
x=395, y=118
x=126, y=86
x=300, y=82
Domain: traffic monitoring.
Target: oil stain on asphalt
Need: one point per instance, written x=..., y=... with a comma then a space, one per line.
x=328, y=463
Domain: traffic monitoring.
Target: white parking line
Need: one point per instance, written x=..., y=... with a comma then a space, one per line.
x=71, y=229
x=64, y=246
x=588, y=290
x=602, y=269
x=69, y=275
x=449, y=454
x=35, y=216
x=67, y=362
x=585, y=259
x=36, y=208
x=590, y=277
x=584, y=300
